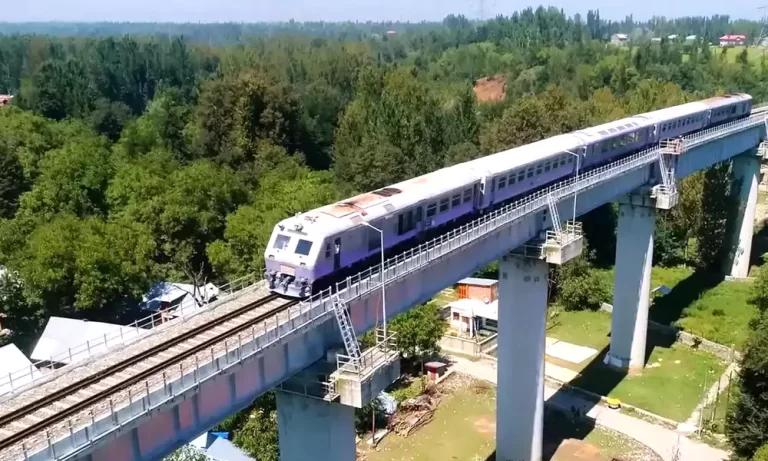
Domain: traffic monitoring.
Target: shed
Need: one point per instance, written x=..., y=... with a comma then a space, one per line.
x=68, y=340
x=15, y=369
x=172, y=298
x=470, y=315
x=485, y=290
x=434, y=370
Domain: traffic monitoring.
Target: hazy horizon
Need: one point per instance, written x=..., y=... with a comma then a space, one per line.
x=242, y=11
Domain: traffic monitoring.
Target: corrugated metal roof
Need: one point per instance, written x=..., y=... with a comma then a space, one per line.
x=169, y=292
x=478, y=281
x=62, y=335
x=223, y=450
x=13, y=361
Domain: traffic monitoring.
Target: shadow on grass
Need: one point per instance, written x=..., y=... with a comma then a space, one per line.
x=559, y=426
x=668, y=309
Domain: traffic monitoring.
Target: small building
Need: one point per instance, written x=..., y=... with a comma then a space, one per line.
x=690, y=39
x=485, y=290
x=68, y=340
x=468, y=316
x=619, y=39
x=173, y=298
x=672, y=38
x=5, y=99
x=15, y=369
x=732, y=40
x=656, y=40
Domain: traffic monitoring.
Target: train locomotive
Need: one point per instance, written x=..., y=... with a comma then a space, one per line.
x=310, y=251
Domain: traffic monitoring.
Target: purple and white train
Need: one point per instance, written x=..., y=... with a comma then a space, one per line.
x=311, y=250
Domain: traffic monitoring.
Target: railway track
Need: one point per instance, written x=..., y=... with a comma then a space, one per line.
x=166, y=361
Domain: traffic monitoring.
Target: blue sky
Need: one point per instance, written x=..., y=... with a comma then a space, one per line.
x=335, y=10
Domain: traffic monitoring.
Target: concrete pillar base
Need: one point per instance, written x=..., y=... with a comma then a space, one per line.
x=632, y=286
x=313, y=429
x=521, y=341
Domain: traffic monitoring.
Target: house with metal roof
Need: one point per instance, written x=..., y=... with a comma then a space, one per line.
x=68, y=340
x=17, y=367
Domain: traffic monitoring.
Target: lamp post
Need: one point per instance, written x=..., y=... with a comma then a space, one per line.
x=381, y=274
x=575, y=191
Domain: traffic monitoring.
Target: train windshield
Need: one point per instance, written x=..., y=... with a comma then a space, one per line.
x=281, y=242
x=303, y=247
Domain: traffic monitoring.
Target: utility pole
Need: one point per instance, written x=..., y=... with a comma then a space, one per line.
x=762, y=39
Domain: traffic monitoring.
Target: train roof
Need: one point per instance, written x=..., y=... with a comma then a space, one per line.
x=525, y=155
x=370, y=206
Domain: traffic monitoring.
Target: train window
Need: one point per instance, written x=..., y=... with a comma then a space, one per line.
x=529, y=173
x=467, y=195
x=456, y=201
x=405, y=222
x=374, y=240
x=538, y=169
x=502, y=182
x=521, y=175
x=281, y=242
x=431, y=210
x=444, y=205
x=419, y=214
x=303, y=247
x=512, y=178
x=547, y=166
x=570, y=159
x=733, y=109
x=328, y=250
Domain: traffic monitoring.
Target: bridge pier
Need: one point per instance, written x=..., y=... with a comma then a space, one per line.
x=313, y=429
x=632, y=284
x=521, y=341
x=746, y=169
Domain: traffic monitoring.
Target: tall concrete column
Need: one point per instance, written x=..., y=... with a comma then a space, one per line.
x=521, y=341
x=632, y=286
x=746, y=169
x=313, y=429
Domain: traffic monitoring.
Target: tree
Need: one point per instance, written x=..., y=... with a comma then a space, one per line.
x=580, y=287
x=248, y=229
x=187, y=453
x=11, y=182
x=255, y=430
x=418, y=331
x=761, y=454
x=72, y=179
x=747, y=423
x=716, y=205
x=70, y=265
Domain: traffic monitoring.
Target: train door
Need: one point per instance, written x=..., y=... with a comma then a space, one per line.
x=337, y=253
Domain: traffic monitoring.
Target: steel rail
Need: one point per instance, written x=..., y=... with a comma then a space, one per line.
x=141, y=375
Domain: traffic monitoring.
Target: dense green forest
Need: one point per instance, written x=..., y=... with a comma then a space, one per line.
x=134, y=153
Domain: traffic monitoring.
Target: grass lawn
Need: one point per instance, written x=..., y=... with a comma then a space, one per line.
x=702, y=304
x=671, y=389
x=464, y=428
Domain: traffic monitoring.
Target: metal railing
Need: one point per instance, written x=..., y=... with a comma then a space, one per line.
x=360, y=367
x=131, y=402
x=122, y=335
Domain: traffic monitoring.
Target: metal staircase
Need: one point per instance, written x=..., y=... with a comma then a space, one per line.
x=552, y=202
x=345, y=327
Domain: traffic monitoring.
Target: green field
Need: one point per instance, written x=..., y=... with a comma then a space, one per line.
x=464, y=428
x=671, y=389
x=700, y=303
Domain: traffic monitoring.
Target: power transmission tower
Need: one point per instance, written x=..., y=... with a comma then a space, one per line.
x=762, y=40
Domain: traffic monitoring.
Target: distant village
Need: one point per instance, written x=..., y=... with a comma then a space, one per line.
x=726, y=41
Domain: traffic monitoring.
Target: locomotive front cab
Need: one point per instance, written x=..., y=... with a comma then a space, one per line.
x=289, y=261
